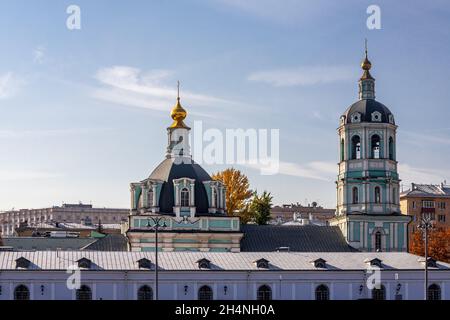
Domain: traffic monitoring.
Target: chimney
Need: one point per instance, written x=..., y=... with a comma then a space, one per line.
x=413, y=186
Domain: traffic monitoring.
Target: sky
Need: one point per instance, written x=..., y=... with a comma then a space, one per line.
x=84, y=112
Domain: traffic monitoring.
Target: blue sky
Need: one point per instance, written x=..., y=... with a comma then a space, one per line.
x=83, y=113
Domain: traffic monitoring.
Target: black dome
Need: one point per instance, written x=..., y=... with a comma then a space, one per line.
x=168, y=170
x=365, y=108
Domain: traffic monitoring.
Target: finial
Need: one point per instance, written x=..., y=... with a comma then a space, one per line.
x=365, y=46
x=178, y=113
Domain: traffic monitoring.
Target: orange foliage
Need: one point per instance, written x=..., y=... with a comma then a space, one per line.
x=438, y=244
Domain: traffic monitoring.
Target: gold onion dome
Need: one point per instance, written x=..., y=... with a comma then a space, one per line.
x=178, y=113
x=366, y=65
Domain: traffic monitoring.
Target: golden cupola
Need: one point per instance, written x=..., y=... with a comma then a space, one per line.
x=178, y=113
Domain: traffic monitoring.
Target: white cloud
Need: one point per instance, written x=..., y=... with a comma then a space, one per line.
x=304, y=76
x=10, y=85
x=130, y=86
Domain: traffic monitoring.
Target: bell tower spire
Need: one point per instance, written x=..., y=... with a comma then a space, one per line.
x=178, y=132
x=366, y=82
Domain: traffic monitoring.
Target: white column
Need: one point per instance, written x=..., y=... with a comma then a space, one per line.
x=32, y=291
x=94, y=291
x=293, y=292
x=191, y=194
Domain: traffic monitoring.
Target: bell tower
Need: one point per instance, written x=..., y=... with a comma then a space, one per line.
x=368, y=202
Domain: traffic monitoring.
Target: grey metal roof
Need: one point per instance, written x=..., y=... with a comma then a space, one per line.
x=366, y=107
x=111, y=242
x=37, y=243
x=427, y=190
x=168, y=170
x=173, y=261
x=308, y=238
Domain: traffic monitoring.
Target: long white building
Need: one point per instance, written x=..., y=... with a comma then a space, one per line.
x=44, y=275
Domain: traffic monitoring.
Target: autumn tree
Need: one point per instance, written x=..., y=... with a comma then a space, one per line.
x=238, y=192
x=438, y=244
x=260, y=207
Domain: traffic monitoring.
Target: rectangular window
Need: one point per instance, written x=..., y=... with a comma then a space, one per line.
x=441, y=218
x=427, y=204
x=413, y=204
x=441, y=205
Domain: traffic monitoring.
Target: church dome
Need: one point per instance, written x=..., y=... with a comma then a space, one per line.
x=169, y=170
x=368, y=110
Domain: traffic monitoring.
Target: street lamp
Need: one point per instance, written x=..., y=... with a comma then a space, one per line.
x=156, y=226
x=425, y=225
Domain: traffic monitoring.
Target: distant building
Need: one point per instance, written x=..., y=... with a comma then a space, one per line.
x=292, y=212
x=421, y=198
x=80, y=213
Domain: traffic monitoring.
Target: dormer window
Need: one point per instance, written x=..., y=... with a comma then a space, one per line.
x=356, y=117
x=431, y=263
x=262, y=263
x=144, y=263
x=342, y=119
x=204, y=263
x=374, y=262
x=23, y=263
x=320, y=263
x=84, y=263
x=376, y=116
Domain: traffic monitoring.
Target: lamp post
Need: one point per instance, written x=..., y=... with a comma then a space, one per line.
x=156, y=226
x=425, y=225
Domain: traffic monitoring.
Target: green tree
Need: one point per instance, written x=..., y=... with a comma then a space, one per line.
x=260, y=207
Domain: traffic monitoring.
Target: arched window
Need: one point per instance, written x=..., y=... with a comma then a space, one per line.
x=356, y=147
x=379, y=294
x=378, y=241
x=342, y=150
x=434, y=292
x=185, y=197
x=375, y=147
x=377, y=195
x=355, y=196
x=264, y=293
x=84, y=293
x=322, y=292
x=21, y=292
x=391, y=148
x=150, y=198
x=205, y=293
x=145, y=293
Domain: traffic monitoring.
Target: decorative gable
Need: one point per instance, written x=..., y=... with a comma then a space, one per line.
x=84, y=263
x=375, y=262
x=204, y=263
x=262, y=263
x=144, y=263
x=319, y=263
x=23, y=263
